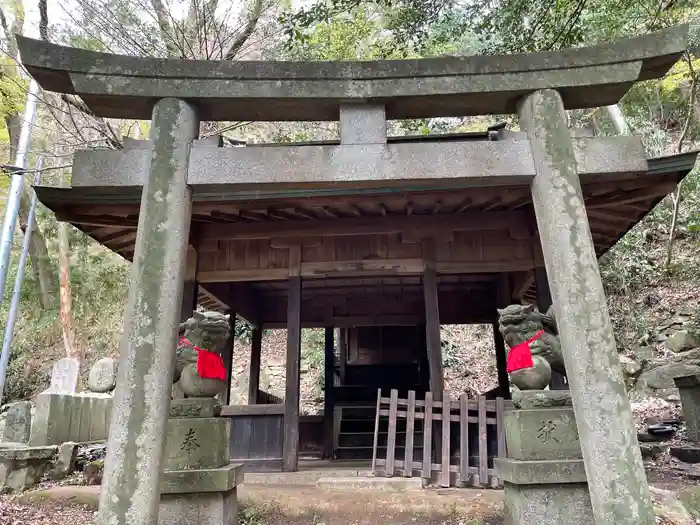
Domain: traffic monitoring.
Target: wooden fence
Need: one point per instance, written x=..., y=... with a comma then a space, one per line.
x=451, y=453
x=266, y=398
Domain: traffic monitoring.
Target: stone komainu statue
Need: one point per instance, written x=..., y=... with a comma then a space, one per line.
x=199, y=367
x=522, y=323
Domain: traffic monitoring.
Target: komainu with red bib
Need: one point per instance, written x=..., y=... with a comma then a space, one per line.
x=534, y=346
x=199, y=366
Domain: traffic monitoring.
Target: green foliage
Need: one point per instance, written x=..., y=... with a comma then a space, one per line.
x=250, y=514
x=98, y=288
x=22, y=381
x=637, y=260
x=313, y=352
x=12, y=95
x=286, y=136
x=452, y=33
x=355, y=34
x=408, y=21
x=516, y=26
x=74, y=38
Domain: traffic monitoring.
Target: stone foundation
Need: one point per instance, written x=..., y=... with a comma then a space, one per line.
x=545, y=505
x=203, y=509
x=543, y=476
x=198, y=486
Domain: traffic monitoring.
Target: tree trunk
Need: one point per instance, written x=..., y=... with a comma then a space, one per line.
x=64, y=284
x=13, y=122
x=65, y=298
x=42, y=266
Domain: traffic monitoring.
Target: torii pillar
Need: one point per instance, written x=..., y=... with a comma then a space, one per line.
x=130, y=486
x=616, y=480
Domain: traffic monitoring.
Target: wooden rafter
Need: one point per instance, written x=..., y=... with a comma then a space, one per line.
x=364, y=226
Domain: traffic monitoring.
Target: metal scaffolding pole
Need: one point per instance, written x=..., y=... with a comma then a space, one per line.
x=17, y=292
x=15, y=191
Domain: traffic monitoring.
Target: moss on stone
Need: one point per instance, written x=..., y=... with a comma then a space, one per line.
x=690, y=497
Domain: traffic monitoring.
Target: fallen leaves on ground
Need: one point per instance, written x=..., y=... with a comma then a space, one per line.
x=12, y=512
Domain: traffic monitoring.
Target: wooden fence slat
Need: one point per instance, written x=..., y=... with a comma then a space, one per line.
x=410, y=423
x=391, y=439
x=489, y=416
x=483, y=453
x=427, y=436
x=436, y=417
x=445, y=482
x=473, y=404
x=376, y=432
x=463, y=438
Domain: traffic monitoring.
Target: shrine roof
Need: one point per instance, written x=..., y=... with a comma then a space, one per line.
x=110, y=214
x=120, y=86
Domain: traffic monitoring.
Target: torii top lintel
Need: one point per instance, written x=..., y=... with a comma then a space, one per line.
x=120, y=86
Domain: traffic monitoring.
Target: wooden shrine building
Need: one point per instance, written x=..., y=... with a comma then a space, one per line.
x=377, y=239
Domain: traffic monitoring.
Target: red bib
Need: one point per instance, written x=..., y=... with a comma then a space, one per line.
x=209, y=364
x=519, y=356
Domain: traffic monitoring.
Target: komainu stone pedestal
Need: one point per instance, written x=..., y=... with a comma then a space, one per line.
x=543, y=476
x=198, y=486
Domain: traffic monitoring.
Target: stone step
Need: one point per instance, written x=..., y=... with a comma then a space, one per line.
x=395, y=484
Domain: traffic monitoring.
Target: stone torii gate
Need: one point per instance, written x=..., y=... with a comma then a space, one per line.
x=176, y=95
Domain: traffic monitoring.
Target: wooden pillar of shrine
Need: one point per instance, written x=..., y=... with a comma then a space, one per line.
x=290, y=442
x=503, y=297
x=228, y=358
x=328, y=393
x=190, y=287
x=432, y=322
x=342, y=353
x=254, y=379
x=544, y=296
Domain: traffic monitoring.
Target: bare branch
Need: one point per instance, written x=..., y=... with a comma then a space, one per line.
x=166, y=27
x=247, y=31
x=43, y=20
x=15, y=29
x=691, y=103
x=3, y=23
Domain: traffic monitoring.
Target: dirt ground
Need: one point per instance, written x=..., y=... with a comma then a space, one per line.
x=267, y=504
x=283, y=505
x=271, y=504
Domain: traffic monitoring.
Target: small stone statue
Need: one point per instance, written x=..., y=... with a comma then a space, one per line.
x=199, y=367
x=522, y=323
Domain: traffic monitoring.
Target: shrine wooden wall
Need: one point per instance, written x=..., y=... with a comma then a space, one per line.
x=355, y=255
